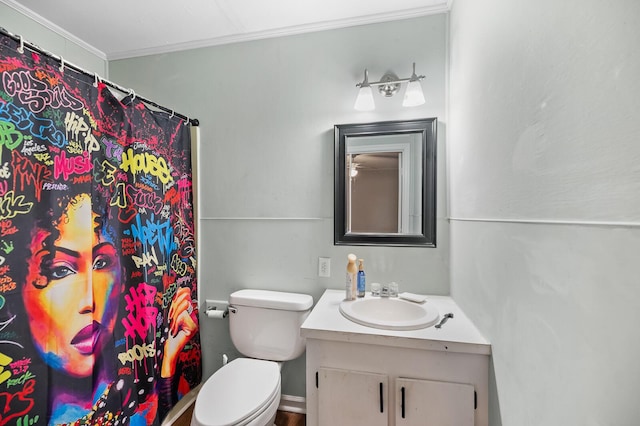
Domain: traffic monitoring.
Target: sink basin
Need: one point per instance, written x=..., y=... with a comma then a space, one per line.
x=389, y=313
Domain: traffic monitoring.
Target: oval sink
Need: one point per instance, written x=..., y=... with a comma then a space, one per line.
x=389, y=313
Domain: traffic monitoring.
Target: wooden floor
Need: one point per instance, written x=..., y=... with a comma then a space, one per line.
x=283, y=418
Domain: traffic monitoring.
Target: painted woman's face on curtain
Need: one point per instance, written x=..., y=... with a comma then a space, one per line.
x=72, y=290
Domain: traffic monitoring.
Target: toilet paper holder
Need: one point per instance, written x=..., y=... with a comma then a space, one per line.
x=213, y=308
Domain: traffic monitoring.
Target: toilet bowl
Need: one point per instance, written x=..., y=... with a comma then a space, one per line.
x=244, y=392
x=265, y=327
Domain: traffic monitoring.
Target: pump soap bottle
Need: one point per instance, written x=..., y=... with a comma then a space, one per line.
x=351, y=285
x=361, y=278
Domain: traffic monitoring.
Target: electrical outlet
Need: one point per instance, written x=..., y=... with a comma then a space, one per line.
x=324, y=267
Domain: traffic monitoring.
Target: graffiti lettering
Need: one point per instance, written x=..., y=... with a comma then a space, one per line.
x=44, y=158
x=178, y=265
x=12, y=205
x=37, y=94
x=42, y=128
x=5, y=173
x=147, y=163
x=113, y=149
x=139, y=304
x=16, y=404
x=184, y=280
x=184, y=188
x=145, y=199
x=128, y=247
x=124, y=371
x=20, y=366
x=165, y=213
x=91, y=143
x=154, y=232
x=30, y=147
x=184, y=234
x=4, y=361
x=148, y=259
x=74, y=147
x=7, y=284
x=9, y=136
x=29, y=173
x=7, y=228
x=48, y=186
x=82, y=179
x=26, y=421
x=20, y=380
x=147, y=181
x=7, y=248
x=4, y=187
x=138, y=353
x=73, y=165
x=90, y=118
x=127, y=210
x=75, y=126
x=103, y=172
x=168, y=294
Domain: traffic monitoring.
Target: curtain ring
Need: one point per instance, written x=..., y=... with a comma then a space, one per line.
x=172, y=114
x=61, y=64
x=96, y=79
x=186, y=121
x=21, y=47
x=132, y=93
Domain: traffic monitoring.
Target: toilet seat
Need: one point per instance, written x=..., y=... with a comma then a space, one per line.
x=237, y=393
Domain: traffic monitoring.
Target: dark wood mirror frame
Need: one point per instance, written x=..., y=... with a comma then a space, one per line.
x=426, y=128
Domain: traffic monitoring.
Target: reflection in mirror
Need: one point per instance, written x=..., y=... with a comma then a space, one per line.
x=385, y=183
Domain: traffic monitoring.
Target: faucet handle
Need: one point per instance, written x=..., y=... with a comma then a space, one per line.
x=385, y=290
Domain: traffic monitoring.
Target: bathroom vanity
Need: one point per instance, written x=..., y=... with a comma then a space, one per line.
x=359, y=375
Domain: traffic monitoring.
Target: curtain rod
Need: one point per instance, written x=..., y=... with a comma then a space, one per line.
x=65, y=64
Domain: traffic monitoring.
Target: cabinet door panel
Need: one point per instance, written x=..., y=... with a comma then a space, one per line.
x=431, y=403
x=351, y=398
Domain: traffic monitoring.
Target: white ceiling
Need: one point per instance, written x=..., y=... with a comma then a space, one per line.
x=126, y=28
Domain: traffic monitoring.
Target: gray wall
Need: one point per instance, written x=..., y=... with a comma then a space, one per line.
x=267, y=110
x=16, y=23
x=545, y=199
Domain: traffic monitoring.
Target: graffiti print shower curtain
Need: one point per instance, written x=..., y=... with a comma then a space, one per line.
x=98, y=304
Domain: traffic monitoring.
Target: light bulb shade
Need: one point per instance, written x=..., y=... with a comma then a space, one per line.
x=413, y=96
x=364, y=101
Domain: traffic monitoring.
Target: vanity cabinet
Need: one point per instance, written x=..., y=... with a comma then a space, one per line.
x=357, y=398
x=435, y=403
x=352, y=398
x=357, y=375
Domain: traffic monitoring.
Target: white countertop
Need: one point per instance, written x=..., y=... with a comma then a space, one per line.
x=458, y=334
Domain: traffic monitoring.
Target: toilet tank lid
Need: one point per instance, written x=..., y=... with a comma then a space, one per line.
x=271, y=300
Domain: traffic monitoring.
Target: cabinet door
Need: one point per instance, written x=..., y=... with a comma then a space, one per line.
x=351, y=398
x=430, y=403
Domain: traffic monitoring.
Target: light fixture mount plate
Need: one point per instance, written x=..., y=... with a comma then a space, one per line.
x=389, y=89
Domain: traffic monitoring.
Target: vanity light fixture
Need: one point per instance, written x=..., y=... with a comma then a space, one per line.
x=388, y=85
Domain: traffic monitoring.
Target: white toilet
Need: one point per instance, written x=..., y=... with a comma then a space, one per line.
x=265, y=326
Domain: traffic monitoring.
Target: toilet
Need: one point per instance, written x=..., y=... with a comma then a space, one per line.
x=265, y=328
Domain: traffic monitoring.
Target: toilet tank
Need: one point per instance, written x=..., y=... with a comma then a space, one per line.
x=266, y=324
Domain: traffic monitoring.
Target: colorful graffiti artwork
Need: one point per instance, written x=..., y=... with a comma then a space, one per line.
x=98, y=304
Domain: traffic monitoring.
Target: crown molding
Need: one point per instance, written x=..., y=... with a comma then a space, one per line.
x=55, y=28
x=234, y=38
x=283, y=32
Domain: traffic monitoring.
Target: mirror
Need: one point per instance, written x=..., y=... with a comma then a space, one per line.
x=385, y=183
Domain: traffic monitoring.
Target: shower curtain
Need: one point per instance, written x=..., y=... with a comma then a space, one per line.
x=98, y=303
